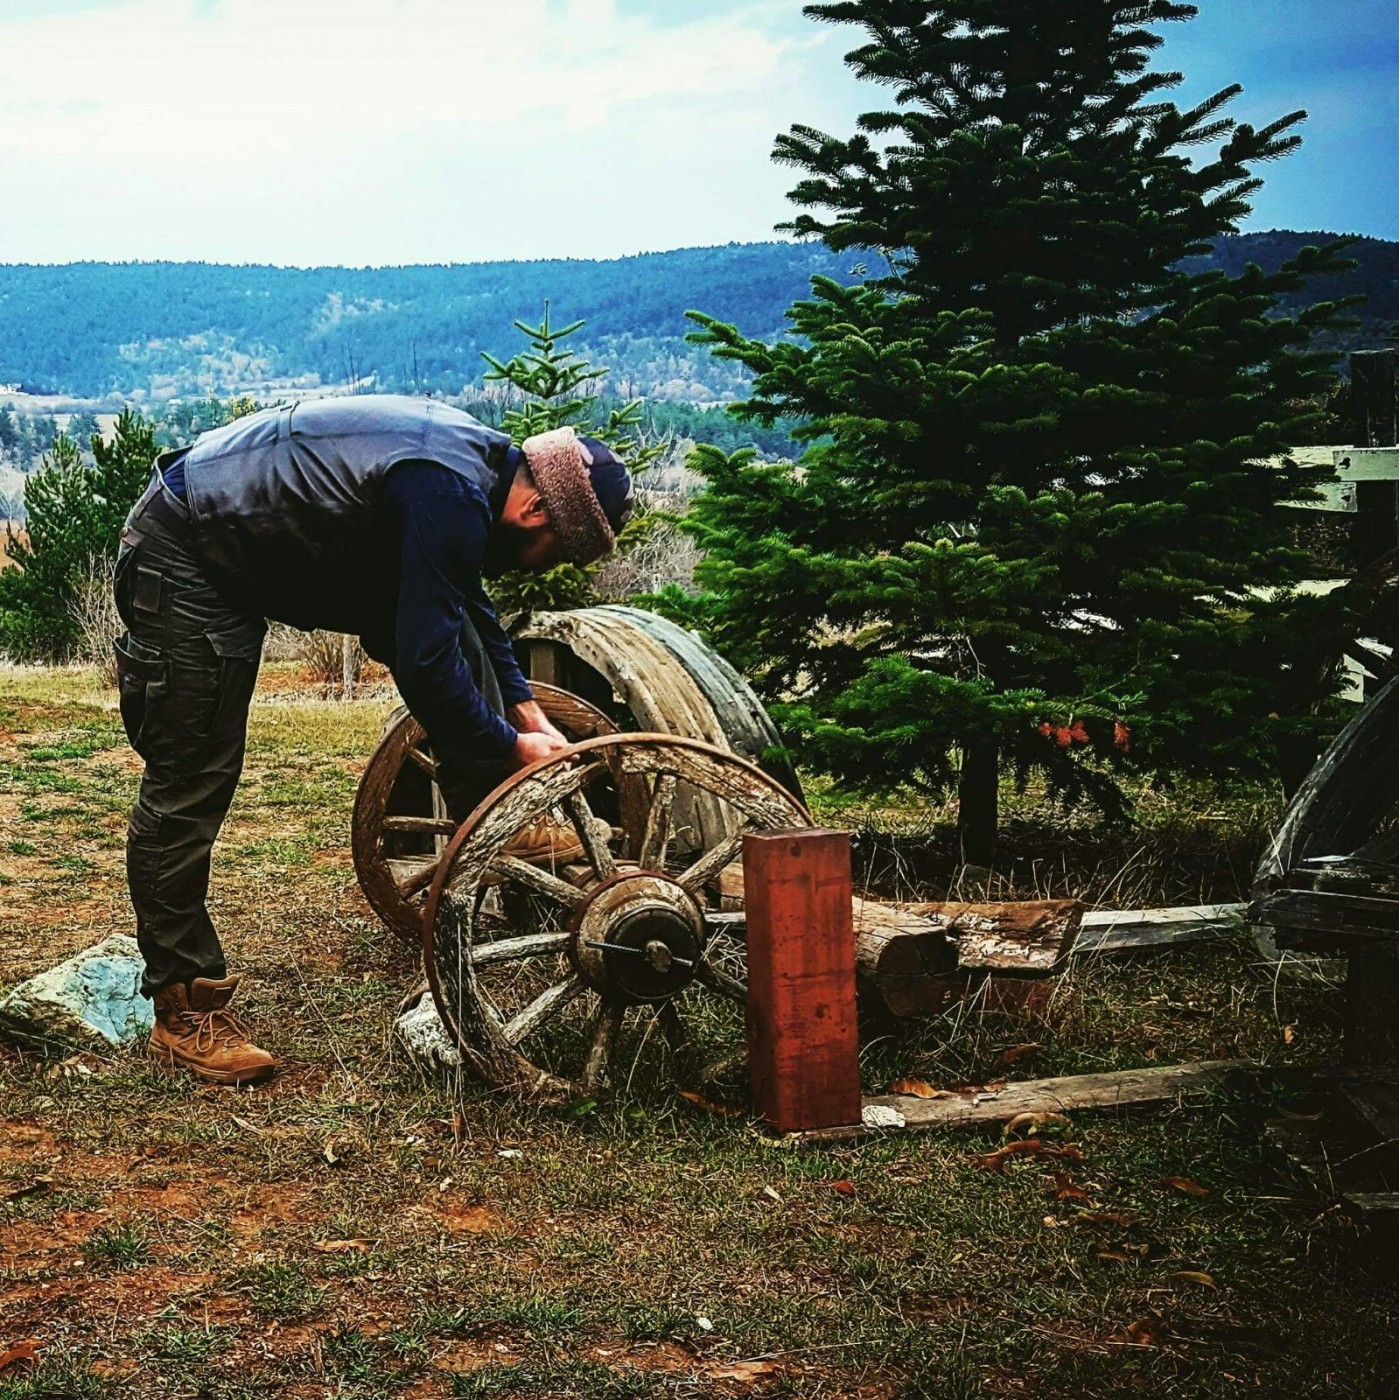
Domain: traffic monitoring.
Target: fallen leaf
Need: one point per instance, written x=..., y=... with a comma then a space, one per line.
x=341, y=1246
x=37, y=1187
x=993, y=1086
x=1147, y=1332
x=1024, y=1147
x=743, y=1370
x=1195, y=1276
x=918, y=1089
x=1288, y=1034
x=1185, y=1185
x=772, y=1194
x=1012, y=1053
x=1027, y=1147
x=709, y=1105
x=458, y=1125
x=328, y=1152
x=1119, y=1219
x=1113, y=1256
x=20, y=1354
x=1036, y=1122
x=510, y=1153
x=1065, y=1189
x=1051, y=1223
x=843, y=1188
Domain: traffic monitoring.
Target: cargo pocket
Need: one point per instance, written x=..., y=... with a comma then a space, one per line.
x=143, y=682
x=239, y=649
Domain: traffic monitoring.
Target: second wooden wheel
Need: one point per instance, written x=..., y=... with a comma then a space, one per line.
x=629, y=949
x=400, y=825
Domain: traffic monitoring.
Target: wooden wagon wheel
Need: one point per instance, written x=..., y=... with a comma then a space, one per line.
x=636, y=928
x=400, y=825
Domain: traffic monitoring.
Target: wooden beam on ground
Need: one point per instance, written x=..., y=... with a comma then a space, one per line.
x=1119, y=930
x=992, y=1107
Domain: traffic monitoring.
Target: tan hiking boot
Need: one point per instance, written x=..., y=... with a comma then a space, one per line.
x=547, y=841
x=195, y=1030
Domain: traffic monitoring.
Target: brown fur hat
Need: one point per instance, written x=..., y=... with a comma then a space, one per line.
x=557, y=465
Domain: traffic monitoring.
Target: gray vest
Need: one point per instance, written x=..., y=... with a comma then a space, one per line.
x=288, y=506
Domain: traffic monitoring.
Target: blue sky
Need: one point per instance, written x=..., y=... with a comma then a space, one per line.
x=386, y=131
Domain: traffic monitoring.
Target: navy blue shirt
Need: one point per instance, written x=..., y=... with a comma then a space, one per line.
x=443, y=522
x=444, y=525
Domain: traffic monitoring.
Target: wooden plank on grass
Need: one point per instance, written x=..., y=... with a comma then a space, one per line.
x=1117, y=930
x=1121, y=1089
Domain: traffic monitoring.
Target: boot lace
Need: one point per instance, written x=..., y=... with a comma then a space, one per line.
x=217, y=1028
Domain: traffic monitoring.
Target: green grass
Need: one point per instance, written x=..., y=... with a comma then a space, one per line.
x=120, y=1246
x=582, y=1266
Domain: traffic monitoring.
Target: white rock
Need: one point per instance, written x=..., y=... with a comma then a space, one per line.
x=879, y=1115
x=92, y=1001
x=421, y=1033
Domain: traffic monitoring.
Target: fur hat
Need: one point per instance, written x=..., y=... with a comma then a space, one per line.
x=560, y=470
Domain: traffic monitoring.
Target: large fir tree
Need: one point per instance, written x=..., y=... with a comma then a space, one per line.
x=1037, y=524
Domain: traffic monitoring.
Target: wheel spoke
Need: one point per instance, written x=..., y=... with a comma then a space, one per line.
x=714, y=860
x=723, y=1068
x=719, y=981
x=600, y=1053
x=530, y=945
x=423, y=761
x=533, y=878
x=599, y=856
x=412, y=875
x=675, y=1034
x=547, y=1004
x=431, y=826
x=652, y=855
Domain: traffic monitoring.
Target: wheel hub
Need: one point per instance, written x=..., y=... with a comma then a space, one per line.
x=639, y=938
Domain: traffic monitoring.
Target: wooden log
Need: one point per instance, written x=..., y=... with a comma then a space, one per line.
x=1123, y=1089
x=1027, y=937
x=804, y=1054
x=904, y=959
x=1121, y=930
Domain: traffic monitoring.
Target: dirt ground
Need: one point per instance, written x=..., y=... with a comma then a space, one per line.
x=354, y=1230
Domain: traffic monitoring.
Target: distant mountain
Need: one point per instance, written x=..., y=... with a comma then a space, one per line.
x=151, y=331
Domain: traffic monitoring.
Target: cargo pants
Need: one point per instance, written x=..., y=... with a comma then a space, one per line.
x=186, y=667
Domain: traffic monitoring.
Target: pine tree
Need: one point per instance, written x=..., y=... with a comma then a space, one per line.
x=1036, y=527
x=554, y=388
x=74, y=516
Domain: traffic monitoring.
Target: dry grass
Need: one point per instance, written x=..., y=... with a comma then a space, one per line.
x=353, y=1231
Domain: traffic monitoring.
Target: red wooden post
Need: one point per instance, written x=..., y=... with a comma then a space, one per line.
x=804, y=1056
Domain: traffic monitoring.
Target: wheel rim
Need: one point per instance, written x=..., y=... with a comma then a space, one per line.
x=631, y=928
x=400, y=826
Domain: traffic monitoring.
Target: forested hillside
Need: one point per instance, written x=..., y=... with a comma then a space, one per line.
x=147, y=331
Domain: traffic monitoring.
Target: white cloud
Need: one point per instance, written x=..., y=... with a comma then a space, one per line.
x=384, y=130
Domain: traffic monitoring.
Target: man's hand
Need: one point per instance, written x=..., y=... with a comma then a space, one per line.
x=528, y=718
x=530, y=748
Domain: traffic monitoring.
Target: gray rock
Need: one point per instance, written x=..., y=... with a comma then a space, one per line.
x=421, y=1033
x=92, y=1001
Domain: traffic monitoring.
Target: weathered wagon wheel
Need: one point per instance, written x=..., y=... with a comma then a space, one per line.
x=633, y=933
x=400, y=826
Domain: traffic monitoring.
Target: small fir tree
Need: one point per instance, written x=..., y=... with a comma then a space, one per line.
x=1037, y=521
x=74, y=516
x=555, y=388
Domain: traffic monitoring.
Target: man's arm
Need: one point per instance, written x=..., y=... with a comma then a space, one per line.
x=522, y=710
x=443, y=534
